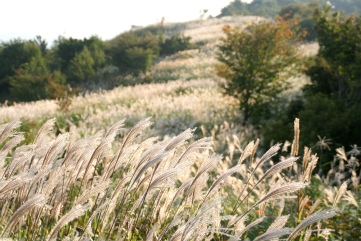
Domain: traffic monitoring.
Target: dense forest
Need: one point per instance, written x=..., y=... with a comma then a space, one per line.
x=30, y=70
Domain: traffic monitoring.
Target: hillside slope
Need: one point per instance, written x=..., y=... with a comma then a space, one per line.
x=191, y=99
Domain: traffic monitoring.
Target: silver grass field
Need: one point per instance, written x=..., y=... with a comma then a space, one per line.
x=160, y=161
x=120, y=187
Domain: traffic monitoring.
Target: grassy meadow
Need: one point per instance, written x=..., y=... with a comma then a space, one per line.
x=166, y=160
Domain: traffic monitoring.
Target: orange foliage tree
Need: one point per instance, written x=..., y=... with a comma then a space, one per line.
x=256, y=63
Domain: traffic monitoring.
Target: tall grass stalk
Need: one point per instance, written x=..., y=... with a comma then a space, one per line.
x=128, y=188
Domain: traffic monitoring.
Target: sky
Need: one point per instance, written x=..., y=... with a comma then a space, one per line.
x=26, y=19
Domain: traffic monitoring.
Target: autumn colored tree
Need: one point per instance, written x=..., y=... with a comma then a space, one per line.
x=255, y=63
x=304, y=14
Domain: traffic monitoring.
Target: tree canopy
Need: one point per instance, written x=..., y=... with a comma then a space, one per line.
x=255, y=63
x=335, y=75
x=80, y=63
x=330, y=106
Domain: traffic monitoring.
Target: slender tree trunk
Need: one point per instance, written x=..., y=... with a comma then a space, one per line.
x=246, y=115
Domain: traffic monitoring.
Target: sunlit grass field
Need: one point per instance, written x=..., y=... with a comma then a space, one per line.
x=166, y=160
x=184, y=92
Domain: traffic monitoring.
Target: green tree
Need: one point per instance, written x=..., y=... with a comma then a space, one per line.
x=65, y=50
x=339, y=41
x=336, y=74
x=97, y=48
x=255, y=64
x=42, y=44
x=330, y=105
x=81, y=66
x=13, y=55
x=33, y=81
x=134, y=54
x=270, y=8
x=266, y=8
x=235, y=7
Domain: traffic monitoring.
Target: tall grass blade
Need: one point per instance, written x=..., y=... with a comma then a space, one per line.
x=228, y=173
x=35, y=201
x=314, y=218
x=341, y=191
x=8, y=131
x=273, y=234
x=280, y=222
x=74, y=213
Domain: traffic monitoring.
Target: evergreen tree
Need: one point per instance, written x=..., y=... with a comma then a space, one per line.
x=13, y=55
x=33, y=81
x=81, y=67
x=134, y=54
x=335, y=74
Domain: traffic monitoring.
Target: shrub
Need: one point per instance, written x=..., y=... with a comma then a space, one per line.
x=134, y=54
x=175, y=44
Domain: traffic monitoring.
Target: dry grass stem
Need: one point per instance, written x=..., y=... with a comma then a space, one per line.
x=239, y=233
x=295, y=143
x=341, y=191
x=284, y=189
x=8, y=130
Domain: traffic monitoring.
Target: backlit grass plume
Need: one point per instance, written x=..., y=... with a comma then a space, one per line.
x=122, y=186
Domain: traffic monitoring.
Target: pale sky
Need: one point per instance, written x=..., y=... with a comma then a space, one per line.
x=83, y=18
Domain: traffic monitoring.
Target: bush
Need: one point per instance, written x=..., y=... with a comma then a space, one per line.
x=133, y=54
x=175, y=44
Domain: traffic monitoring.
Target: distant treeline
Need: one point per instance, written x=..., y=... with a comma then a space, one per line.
x=30, y=70
x=301, y=10
x=270, y=8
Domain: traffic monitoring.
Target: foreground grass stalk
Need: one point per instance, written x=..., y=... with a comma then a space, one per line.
x=167, y=190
